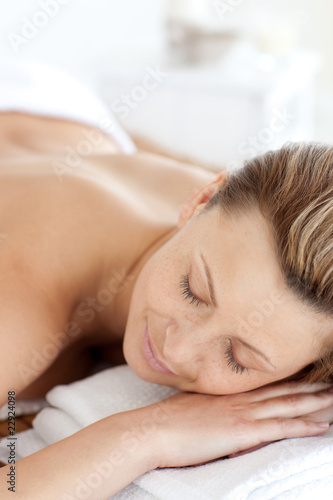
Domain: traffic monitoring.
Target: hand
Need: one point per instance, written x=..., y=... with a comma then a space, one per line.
x=200, y=428
x=325, y=415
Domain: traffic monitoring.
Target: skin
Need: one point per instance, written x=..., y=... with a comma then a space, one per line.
x=193, y=338
x=119, y=224
x=163, y=247
x=239, y=253
x=117, y=191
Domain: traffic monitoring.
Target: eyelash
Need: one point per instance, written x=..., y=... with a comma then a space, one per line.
x=186, y=291
x=236, y=367
x=188, y=295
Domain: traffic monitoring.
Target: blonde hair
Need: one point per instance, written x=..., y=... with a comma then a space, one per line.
x=293, y=189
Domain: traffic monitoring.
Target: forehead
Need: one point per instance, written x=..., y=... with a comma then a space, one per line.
x=240, y=252
x=242, y=245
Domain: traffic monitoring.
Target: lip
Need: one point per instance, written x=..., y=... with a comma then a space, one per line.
x=151, y=356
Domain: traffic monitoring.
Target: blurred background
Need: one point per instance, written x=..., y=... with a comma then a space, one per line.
x=211, y=81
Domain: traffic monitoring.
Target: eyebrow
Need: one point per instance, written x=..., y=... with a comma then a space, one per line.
x=213, y=299
x=209, y=281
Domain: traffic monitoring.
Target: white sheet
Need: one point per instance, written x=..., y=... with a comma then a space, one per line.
x=29, y=87
x=290, y=469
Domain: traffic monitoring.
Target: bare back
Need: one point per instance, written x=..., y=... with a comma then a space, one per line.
x=62, y=228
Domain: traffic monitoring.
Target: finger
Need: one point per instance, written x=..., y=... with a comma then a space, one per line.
x=325, y=414
x=292, y=405
x=280, y=389
x=275, y=429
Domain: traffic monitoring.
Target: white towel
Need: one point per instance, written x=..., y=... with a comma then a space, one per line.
x=291, y=469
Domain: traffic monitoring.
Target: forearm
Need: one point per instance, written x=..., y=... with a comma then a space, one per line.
x=93, y=463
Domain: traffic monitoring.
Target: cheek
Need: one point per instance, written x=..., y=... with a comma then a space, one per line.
x=146, y=296
x=157, y=287
x=161, y=290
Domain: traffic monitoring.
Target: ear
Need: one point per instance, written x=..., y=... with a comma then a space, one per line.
x=198, y=200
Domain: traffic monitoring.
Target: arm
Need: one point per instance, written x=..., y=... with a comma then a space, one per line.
x=99, y=460
x=27, y=348
x=236, y=422
x=107, y=455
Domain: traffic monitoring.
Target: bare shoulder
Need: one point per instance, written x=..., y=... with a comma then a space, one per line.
x=58, y=237
x=41, y=219
x=155, y=178
x=28, y=318
x=55, y=228
x=62, y=235
x=52, y=235
x=48, y=250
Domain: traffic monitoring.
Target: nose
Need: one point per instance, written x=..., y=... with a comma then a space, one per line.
x=183, y=350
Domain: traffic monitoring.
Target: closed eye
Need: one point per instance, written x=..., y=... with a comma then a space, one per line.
x=187, y=292
x=236, y=367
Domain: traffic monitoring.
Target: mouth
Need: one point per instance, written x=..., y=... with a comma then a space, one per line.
x=152, y=356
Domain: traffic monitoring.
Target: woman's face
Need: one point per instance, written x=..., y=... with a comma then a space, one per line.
x=213, y=304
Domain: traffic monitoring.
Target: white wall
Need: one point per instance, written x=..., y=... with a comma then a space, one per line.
x=84, y=35
x=314, y=21
x=126, y=30
x=83, y=31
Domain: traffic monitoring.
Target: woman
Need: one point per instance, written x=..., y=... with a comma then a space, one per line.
x=218, y=296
